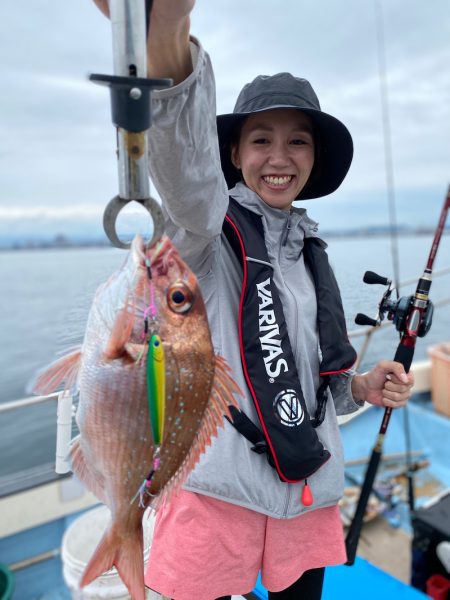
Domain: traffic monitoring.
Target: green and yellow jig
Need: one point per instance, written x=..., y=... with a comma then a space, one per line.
x=156, y=387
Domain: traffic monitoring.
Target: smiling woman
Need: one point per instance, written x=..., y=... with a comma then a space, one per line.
x=276, y=155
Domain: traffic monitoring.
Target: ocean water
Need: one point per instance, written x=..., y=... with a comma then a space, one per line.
x=47, y=294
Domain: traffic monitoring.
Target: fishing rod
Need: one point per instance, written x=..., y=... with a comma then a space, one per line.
x=390, y=188
x=130, y=92
x=412, y=317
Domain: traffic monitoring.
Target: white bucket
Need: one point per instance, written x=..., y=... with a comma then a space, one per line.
x=78, y=544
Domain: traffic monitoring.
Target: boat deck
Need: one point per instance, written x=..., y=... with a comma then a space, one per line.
x=384, y=551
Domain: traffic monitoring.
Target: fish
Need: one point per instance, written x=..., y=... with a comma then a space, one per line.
x=152, y=395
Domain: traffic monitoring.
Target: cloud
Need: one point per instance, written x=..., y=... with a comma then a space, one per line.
x=51, y=212
x=58, y=143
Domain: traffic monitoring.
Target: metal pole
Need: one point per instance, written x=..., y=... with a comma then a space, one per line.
x=129, y=37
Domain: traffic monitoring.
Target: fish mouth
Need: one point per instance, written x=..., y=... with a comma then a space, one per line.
x=161, y=250
x=142, y=254
x=161, y=258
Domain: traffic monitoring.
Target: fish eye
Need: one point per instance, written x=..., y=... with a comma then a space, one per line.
x=179, y=298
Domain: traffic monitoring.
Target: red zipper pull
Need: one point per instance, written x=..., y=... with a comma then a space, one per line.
x=307, y=497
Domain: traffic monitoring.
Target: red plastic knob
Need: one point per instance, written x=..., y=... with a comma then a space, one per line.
x=307, y=497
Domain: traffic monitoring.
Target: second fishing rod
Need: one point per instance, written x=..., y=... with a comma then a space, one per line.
x=412, y=317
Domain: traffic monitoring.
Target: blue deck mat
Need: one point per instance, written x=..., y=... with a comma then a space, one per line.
x=362, y=580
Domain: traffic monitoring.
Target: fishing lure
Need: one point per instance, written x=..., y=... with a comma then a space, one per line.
x=156, y=387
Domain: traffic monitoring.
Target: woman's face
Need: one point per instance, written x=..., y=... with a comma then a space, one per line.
x=275, y=154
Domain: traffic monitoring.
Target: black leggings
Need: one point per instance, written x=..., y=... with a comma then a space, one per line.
x=308, y=587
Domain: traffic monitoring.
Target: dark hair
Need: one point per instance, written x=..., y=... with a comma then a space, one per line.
x=235, y=134
x=316, y=172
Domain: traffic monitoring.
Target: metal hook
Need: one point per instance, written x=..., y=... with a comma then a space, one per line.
x=115, y=206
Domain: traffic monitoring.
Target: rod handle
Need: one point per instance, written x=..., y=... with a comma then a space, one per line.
x=404, y=355
x=351, y=541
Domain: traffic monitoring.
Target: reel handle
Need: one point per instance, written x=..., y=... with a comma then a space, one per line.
x=371, y=277
x=362, y=319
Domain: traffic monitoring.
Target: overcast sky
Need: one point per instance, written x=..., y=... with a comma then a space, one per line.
x=57, y=143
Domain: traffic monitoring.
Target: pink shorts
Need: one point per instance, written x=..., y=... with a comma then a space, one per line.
x=204, y=548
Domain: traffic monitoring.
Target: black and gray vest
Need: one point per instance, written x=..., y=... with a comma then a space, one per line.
x=287, y=433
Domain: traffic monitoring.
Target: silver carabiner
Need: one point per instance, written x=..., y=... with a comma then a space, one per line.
x=115, y=206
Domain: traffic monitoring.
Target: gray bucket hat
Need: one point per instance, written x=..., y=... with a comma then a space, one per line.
x=334, y=145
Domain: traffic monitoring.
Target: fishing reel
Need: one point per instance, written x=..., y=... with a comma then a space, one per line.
x=411, y=314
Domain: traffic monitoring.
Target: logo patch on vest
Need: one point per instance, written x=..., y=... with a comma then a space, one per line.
x=288, y=408
x=269, y=332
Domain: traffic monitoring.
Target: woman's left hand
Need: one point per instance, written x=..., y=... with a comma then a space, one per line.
x=386, y=384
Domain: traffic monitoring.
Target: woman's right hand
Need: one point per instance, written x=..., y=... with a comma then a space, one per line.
x=168, y=40
x=170, y=11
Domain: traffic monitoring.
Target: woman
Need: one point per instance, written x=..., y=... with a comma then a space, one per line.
x=239, y=512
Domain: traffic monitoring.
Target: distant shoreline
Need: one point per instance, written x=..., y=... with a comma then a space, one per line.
x=62, y=242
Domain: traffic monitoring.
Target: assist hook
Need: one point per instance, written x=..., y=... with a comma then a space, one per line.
x=130, y=93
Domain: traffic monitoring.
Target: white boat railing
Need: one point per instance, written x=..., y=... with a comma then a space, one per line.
x=24, y=402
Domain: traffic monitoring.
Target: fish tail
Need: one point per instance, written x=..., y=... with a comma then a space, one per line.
x=124, y=553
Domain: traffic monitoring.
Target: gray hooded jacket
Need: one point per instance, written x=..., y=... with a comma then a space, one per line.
x=185, y=168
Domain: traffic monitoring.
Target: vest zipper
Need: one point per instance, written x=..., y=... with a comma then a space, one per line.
x=294, y=346
x=288, y=498
x=283, y=243
x=286, y=230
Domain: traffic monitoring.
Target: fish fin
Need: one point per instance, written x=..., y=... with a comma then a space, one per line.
x=63, y=369
x=123, y=552
x=224, y=386
x=120, y=334
x=222, y=396
x=87, y=474
x=135, y=351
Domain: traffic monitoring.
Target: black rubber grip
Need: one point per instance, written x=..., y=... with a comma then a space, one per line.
x=352, y=539
x=404, y=355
